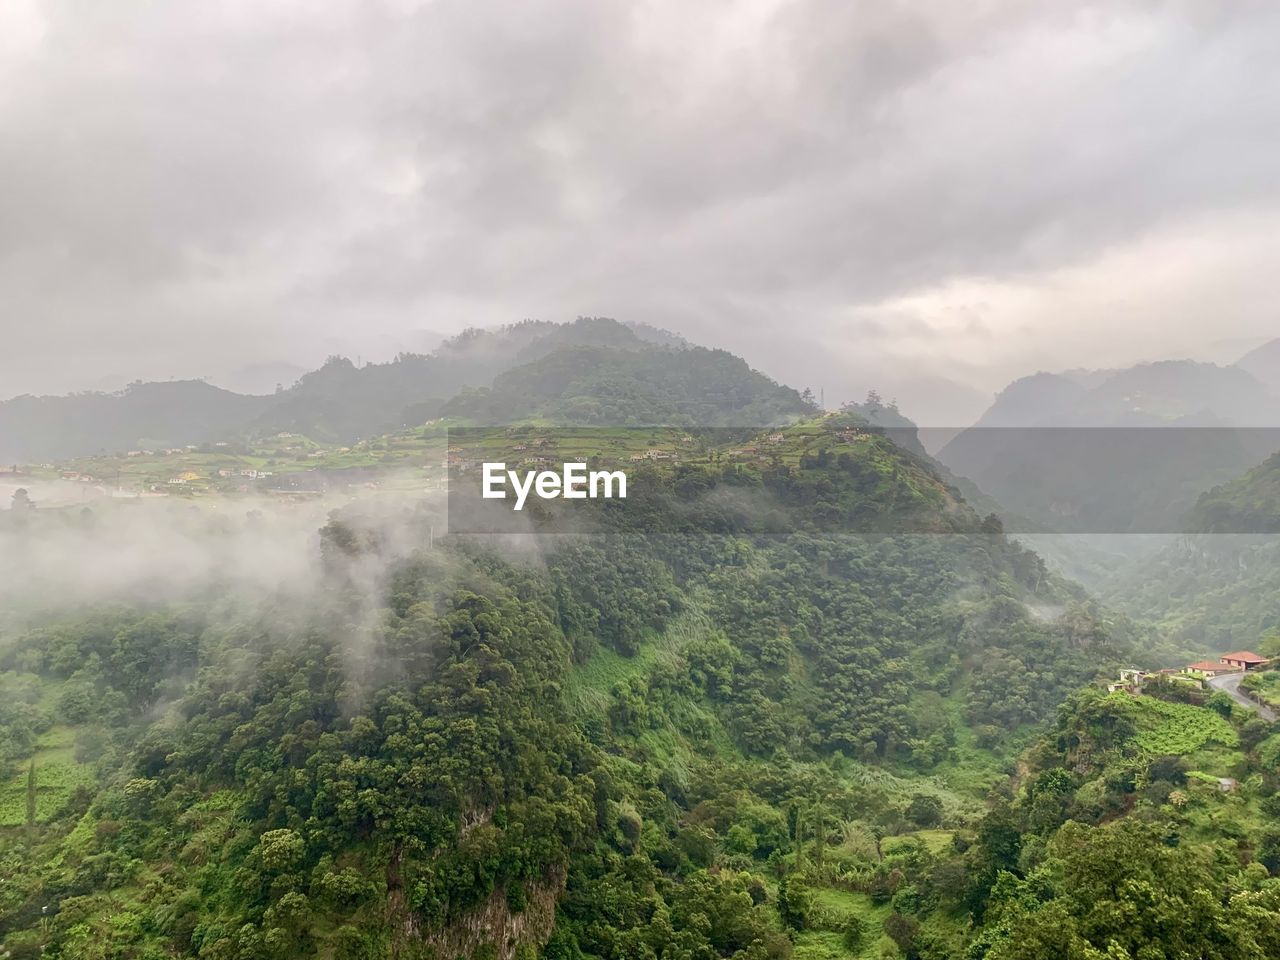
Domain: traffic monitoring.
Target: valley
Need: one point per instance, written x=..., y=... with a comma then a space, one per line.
x=783, y=480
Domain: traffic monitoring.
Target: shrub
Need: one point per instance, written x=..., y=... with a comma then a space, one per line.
x=855, y=934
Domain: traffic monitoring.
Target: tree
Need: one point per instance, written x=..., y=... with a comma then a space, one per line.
x=903, y=931
x=855, y=933
x=22, y=502
x=1171, y=768
x=794, y=902
x=924, y=810
x=1221, y=703
x=1269, y=644
x=279, y=850
x=1123, y=890
x=31, y=799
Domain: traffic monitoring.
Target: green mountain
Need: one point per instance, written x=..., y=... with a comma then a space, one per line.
x=694, y=742
x=723, y=724
x=1207, y=594
x=1249, y=504
x=341, y=401
x=632, y=384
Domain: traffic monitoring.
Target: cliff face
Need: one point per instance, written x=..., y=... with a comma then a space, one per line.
x=493, y=929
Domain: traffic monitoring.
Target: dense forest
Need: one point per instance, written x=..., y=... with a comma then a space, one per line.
x=806, y=702
x=1218, y=586
x=677, y=743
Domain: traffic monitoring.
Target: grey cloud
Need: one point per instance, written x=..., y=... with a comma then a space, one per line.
x=188, y=188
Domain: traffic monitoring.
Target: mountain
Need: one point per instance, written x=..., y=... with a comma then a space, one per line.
x=1080, y=451
x=1263, y=363
x=633, y=384
x=1039, y=398
x=341, y=402
x=1204, y=593
x=652, y=374
x=168, y=414
x=1182, y=391
x=1148, y=394
x=681, y=742
x=1249, y=504
x=686, y=735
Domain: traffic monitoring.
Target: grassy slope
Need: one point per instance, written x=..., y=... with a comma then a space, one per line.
x=58, y=773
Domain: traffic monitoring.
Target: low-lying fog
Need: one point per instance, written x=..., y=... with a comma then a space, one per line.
x=65, y=553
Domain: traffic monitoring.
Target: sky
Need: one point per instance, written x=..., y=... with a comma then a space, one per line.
x=926, y=198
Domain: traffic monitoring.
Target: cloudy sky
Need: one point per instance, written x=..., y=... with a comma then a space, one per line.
x=850, y=194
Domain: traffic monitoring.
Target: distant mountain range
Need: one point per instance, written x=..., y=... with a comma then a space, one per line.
x=588, y=371
x=1079, y=451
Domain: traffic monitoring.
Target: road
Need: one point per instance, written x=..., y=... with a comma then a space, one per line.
x=1229, y=683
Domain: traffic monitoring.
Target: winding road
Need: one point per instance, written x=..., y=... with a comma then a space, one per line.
x=1229, y=683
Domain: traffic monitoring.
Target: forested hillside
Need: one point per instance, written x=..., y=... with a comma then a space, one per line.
x=1218, y=587
x=622, y=385
x=1205, y=593
x=797, y=698
x=696, y=744
x=1249, y=504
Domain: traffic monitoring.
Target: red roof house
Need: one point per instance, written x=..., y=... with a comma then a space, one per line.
x=1244, y=659
x=1209, y=669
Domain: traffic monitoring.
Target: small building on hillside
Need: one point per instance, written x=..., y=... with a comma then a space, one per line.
x=1243, y=660
x=1130, y=681
x=1207, y=669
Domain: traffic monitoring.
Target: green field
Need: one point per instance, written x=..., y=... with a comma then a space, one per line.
x=422, y=450
x=832, y=908
x=1177, y=728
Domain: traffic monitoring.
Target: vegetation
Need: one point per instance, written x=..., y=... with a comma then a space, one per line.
x=749, y=716
x=716, y=742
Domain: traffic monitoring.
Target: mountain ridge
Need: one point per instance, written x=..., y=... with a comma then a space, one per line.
x=342, y=401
